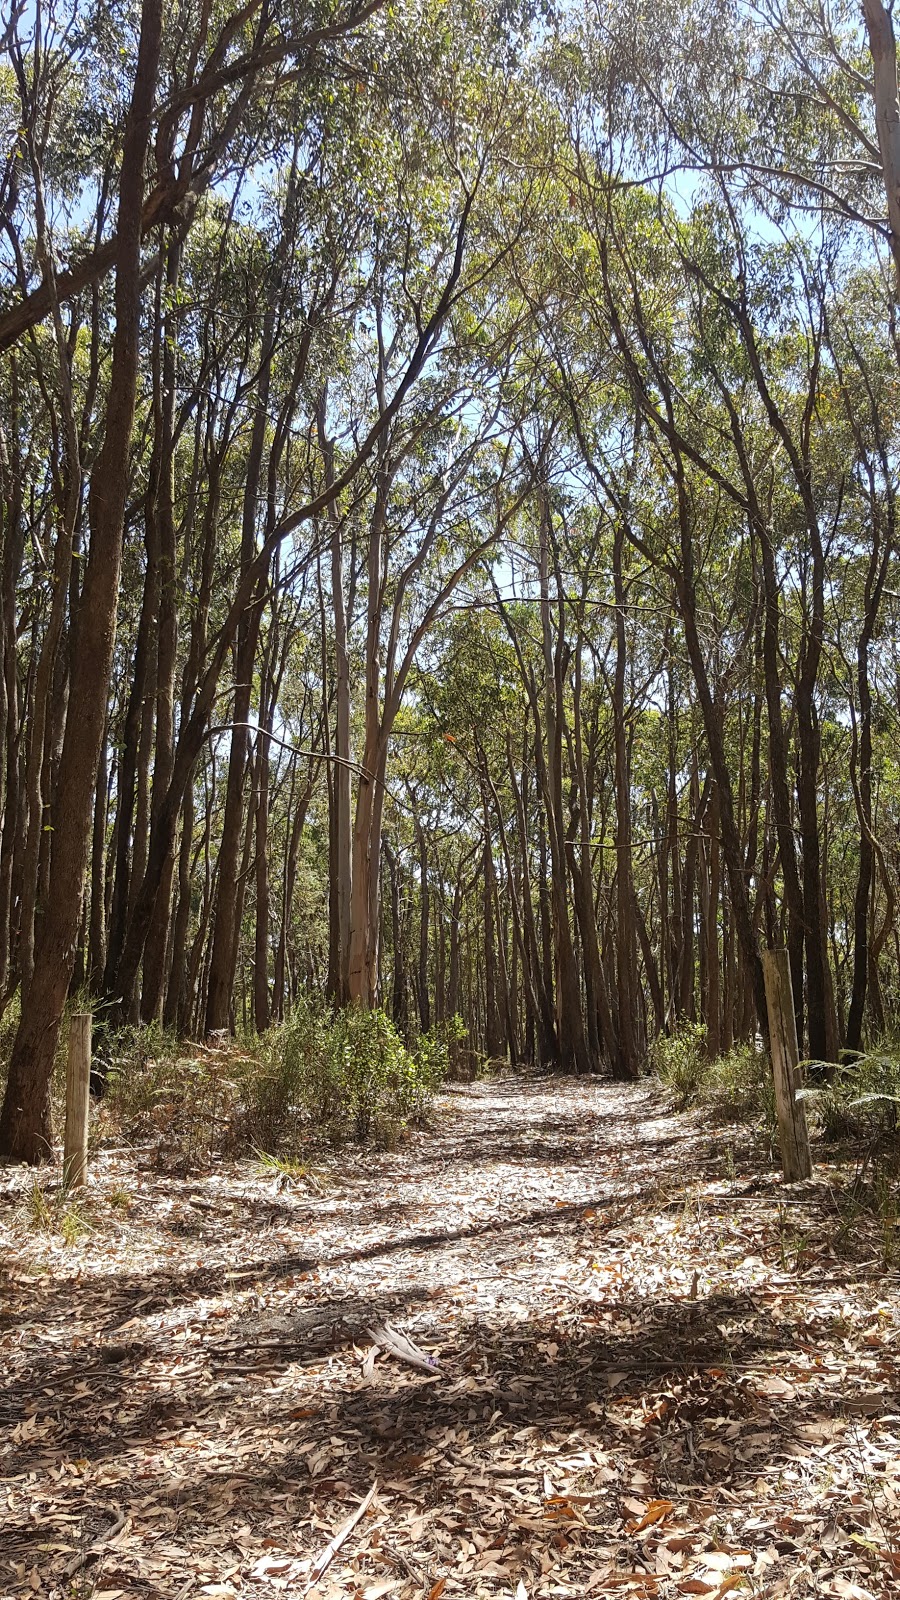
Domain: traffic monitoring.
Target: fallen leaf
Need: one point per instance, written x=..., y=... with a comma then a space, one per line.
x=657, y=1511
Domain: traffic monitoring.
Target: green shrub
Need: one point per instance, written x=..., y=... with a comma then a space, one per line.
x=184, y=1099
x=444, y=1051
x=862, y=1101
x=380, y=1084
x=349, y=1075
x=740, y=1086
x=287, y=1073
x=681, y=1061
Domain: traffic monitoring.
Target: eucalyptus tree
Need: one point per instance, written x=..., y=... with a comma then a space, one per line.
x=24, y=1121
x=306, y=499
x=208, y=112
x=479, y=537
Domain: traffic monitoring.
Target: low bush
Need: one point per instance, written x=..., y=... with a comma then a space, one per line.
x=681, y=1061
x=183, y=1099
x=349, y=1075
x=48, y=1209
x=342, y=1076
x=445, y=1051
x=737, y=1086
x=740, y=1087
x=862, y=1100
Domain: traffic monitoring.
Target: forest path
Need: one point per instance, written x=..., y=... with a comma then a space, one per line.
x=658, y=1374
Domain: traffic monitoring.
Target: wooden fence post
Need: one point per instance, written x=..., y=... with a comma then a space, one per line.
x=78, y=1093
x=796, y=1161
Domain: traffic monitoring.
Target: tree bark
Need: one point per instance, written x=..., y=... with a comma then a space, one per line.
x=25, y=1131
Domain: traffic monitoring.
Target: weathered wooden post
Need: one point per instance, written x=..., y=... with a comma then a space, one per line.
x=78, y=1093
x=796, y=1161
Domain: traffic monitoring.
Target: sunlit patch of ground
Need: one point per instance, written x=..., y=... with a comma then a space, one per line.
x=660, y=1373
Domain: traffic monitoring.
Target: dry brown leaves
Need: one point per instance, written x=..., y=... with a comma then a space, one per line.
x=653, y=1379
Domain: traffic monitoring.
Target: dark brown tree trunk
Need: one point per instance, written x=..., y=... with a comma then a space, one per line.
x=157, y=946
x=25, y=1131
x=713, y=975
x=542, y=1004
x=97, y=936
x=492, y=1035
x=731, y=844
x=399, y=999
x=126, y=784
x=861, y=773
x=424, y=935
x=175, y=1002
x=262, y=1015
x=778, y=754
x=626, y=944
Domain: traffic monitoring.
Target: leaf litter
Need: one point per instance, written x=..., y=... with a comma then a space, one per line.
x=560, y=1345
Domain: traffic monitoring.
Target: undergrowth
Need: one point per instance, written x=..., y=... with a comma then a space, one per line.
x=860, y=1101
x=55, y=1210
x=349, y=1075
x=736, y=1086
x=337, y=1077
x=853, y=1115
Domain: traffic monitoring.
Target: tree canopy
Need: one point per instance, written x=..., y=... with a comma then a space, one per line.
x=448, y=482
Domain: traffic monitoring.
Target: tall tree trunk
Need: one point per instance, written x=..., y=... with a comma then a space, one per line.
x=97, y=937
x=778, y=767
x=626, y=943
x=13, y=548
x=492, y=1036
x=366, y=840
x=126, y=784
x=173, y=1009
x=713, y=975
x=156, y=949
x=570, y=1029
x=221, y=970
x=424, y=935
x=25, y=1131
x=342, y=823
x=261, y=1000
x=883, y=47
x=731, y=844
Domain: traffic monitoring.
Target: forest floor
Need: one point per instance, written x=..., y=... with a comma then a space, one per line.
x=660, y=1372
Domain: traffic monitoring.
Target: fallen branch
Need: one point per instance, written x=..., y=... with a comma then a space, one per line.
x=396, y=1344
x=97, y=1548
x=411, y=1568
x=324, y=1560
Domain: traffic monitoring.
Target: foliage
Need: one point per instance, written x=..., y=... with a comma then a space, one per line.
x=349, y=1074
x=680, y=1059
x=737, y=1086
x=575, y=488
x=55, y=1210
x=862, y=1099
x=184, y=1101
x=740, y=1087
x=444, y=1051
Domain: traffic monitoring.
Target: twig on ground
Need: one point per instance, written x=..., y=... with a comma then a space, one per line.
x=326, y=1556
x=396, y=1344
x=411, y=1568
x=96, y=1548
